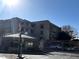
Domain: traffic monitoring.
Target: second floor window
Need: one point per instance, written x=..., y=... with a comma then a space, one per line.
x=42, y=26
x=32, y=25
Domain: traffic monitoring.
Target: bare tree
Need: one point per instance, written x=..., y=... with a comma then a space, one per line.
x=70, y=30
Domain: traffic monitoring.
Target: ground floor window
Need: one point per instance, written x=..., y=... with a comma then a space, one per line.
x=29, y=44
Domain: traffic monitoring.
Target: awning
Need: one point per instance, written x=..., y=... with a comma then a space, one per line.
x=17, y=35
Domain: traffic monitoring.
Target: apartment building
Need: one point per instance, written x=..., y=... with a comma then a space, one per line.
x=42, y=30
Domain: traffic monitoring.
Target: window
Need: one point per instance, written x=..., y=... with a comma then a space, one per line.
x=26, y=29
x=32, y=31
x=41, y=38
x=42, y=26
x=41, y=32
x=30, y=44
x=33, y=25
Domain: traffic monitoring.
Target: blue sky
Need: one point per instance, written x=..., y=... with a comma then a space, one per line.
x=59, y=12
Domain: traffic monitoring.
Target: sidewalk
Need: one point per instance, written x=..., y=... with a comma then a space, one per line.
x=64, y=54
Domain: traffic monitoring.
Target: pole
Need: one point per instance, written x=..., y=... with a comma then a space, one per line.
x=20, y=48
x=20, y=43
